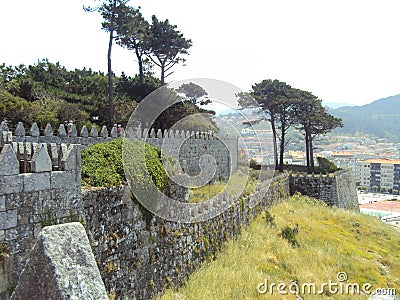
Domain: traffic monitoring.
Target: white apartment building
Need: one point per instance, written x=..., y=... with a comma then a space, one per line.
x=379, y=174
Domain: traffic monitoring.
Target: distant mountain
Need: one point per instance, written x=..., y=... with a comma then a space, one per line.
x=380, y=118
x=334, y=105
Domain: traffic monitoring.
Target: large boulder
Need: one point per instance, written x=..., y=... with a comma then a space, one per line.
x=61, y=266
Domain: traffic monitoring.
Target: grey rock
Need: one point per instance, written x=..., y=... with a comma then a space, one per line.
x=376, y=296
x=72, y=131
x=69, y=161
x=36, y=181
x=8, y=219
x=61, y=266
x=3, y=126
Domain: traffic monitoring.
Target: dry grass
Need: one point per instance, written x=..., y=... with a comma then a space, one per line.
x=331, y=241
x=242, y=179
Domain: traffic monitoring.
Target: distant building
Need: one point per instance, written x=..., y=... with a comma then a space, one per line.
x=380, y=174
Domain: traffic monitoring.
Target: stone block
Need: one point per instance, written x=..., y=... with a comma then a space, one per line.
x=36, y=181
x=2, y=203
x=41, y=161
x=61, y=266
x=8, y=219
x=69, y=160
x=48, y=131
x=104, y=132
x=9, y=164
x=93, y=132
x=62, y=133
x=72, y=131
x=114, y=132
x=62, y=179
x=35, y=130
x=19, y=130
x=11, y=184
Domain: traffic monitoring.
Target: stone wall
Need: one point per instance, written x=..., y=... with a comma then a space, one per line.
x=337, y=189
x=140, y=255
x=220, y=152
x=191, y=146
x=39, y=184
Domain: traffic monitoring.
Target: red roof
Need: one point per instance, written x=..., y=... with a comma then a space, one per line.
x=390, y=206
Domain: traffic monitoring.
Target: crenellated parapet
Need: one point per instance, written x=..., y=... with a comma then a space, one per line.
x=335, y=189
x=159, y=136
x=67, y=134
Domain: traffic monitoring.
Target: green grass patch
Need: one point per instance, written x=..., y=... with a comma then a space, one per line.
x=330, y=240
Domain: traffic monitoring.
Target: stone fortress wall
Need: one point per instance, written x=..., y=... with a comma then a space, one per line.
x=337, y=189
x=138, y=255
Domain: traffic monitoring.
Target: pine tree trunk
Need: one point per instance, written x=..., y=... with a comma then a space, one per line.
x=282, y=150
x=307, y=150
x=311, y=155
x=110, y=79
x=274, y=142
x=162, y=74
x=140, y=64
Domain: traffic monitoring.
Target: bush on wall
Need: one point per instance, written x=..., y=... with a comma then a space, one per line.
x=102, y=163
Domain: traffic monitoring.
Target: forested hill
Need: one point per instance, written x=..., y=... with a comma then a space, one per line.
x=380, y=118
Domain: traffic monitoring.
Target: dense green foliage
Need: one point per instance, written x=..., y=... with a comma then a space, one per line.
x=102, y=164
x=49, y=93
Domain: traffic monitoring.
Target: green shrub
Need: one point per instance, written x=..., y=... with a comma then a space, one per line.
x=102, y=164
x=326, y=166
x=254, y=164
x=289, y=234
x=269, y=219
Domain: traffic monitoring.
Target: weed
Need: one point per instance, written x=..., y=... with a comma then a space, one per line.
x=289, y=234
x=269, y=219
x=48, y=218
x=4, y=251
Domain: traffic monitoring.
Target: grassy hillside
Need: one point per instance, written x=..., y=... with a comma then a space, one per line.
x=330, y=241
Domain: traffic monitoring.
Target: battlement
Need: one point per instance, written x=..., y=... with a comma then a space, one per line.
x=64, y=134
x=68, y=134
x=25, y=157
x=139, y=132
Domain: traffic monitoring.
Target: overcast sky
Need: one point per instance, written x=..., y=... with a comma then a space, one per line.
x=342, y=51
